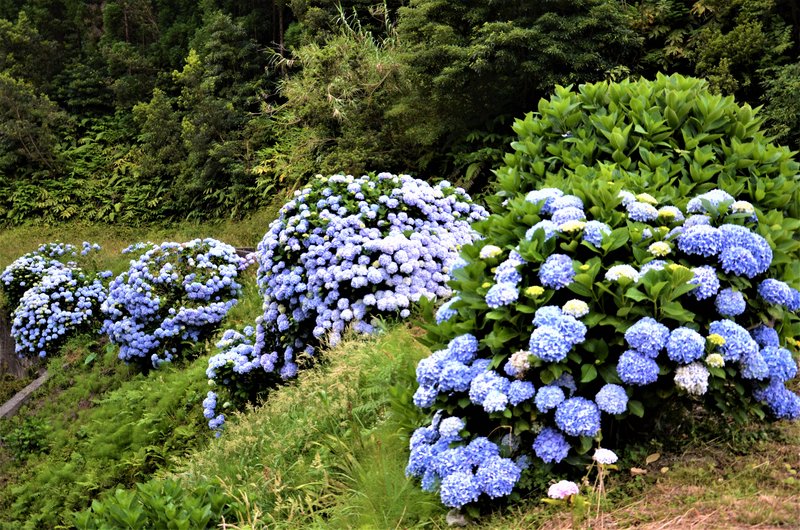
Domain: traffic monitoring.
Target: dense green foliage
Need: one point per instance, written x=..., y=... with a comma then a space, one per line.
x=138, y=111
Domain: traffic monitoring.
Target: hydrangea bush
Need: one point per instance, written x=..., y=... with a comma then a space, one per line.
x=172, y=293
x=28, y=270
x=52, y=296
x=343, y=251
x=610, y=293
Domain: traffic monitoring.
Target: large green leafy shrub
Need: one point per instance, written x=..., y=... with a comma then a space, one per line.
x=670, y=137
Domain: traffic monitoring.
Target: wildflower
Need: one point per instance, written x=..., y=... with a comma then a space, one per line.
x=693, y=378
x=646, y=198
x=490, y=251
x=562, y=490
x=534, y=291
x=617, y=272
x=715, y=360
x=604, y=456
x=576, y=308
x=659, y=249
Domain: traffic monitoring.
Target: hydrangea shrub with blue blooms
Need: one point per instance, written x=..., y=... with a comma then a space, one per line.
x=629, y=270
x=172, y=293
x=52, y=296
x=344, y=251
x=604, y=325
x=28, y=270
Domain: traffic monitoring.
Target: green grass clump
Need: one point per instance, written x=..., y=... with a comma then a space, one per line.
x=106, y=427
x=329, y=450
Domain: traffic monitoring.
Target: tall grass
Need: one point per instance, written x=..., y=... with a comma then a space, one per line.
x=330, y=449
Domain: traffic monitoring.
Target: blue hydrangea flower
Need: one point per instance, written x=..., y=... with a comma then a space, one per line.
x=775, y=292
x=733, y=236
x=578, y=416
x=425, y=396
x=502, y=294
x=549, y=344
x=495, y=401
x=496, y=476
x=765, y=336
x=557, y=271
x=567, y=201
x=647, y=336
x=705, y=277
x=781, y=363
x=642, y=212
x=454, y=376
x=445, y=311
x=700, y=240
x=738, y=261
x=652, y=265
x=572, y=329
x=636, y=369
x=549, y=397
x=715, y=197
x=730, y=303
x=783, y=403
x=458, y=489
x=737, y=340
x=507, y=271
x=595, y=231
x=520, y=391
x=612, y=399
x=753, y=365
x=484, y=384
x=481, y=449
x=548, y=315
x=545, y=196
x=566, y=380
x=463, y=348
x=549, y=228
x=450, y=427
x=551, y=446
x=570, y=213
x=697, y=219
x=670, y=214
x=685, y=345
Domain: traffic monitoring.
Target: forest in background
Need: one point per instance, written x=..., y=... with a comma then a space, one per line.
x=139, y=111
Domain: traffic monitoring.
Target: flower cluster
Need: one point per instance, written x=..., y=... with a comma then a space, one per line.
x=171, y=293
x=29, y=269
x=344, y=251
x=462, y=474
x=52, y=297
x=580, y=320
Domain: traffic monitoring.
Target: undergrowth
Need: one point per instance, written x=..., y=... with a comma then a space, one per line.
x=329, y=450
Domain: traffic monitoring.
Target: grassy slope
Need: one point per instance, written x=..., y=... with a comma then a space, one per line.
x=329, y=450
